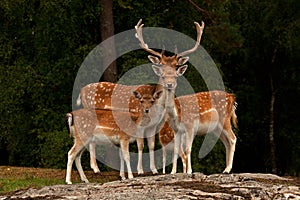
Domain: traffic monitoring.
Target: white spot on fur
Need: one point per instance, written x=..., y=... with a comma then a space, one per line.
x=207, y=111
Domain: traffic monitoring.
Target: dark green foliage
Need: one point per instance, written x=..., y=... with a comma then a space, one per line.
x=214, y=162
x=54, y=148
x=43, y=43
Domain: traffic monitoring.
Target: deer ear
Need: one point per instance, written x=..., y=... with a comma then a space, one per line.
x=136, y=94
x=180, y=71
x=154, y=59
x=183, y=60
x=157, y=70
x=157, y=94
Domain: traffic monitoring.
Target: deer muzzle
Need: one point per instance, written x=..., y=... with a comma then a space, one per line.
x=169, y=86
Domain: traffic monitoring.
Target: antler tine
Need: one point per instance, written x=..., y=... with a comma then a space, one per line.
x=139, y=36
x=199, y=34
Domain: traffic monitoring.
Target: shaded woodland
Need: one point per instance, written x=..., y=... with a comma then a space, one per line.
x=254, y=43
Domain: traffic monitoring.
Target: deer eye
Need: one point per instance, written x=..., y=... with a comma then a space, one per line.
x=142, y=101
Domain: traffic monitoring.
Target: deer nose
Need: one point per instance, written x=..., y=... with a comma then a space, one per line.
x=169, y=85
x=146, y=110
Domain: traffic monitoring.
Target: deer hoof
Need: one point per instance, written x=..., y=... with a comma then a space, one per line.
x=154, y=171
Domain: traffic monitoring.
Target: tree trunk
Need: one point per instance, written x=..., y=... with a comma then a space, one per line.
x=271, y=133
x=107, y=30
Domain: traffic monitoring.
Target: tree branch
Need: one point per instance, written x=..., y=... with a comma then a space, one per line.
x=207, y=16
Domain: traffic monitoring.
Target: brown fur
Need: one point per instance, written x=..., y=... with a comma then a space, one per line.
x=207, y=108
x=106, y=95
x=118, y=126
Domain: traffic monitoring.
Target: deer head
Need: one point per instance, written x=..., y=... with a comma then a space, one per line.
x=168, y=68
x=147, y=105
x=147, y=100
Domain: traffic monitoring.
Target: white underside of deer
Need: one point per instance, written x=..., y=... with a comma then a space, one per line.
x=201, y=113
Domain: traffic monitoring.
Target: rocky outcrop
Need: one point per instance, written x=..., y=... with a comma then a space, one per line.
x=179, y=186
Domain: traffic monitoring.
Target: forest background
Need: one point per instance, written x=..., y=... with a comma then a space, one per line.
x=255, y=44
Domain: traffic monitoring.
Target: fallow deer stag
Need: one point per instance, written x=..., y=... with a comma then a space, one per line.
x=168, y=68
x=94, y=125
x=199, y=114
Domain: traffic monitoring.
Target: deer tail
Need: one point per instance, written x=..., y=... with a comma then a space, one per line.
x=233, y=115
x=78, y=101
x=69, y=123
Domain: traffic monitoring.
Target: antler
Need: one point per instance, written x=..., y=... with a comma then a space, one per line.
x=199, y=34
x=139, y=36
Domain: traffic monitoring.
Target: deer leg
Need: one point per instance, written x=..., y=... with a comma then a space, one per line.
x=122, y=172
x=151, y=144
x=183, y=159
x=140, y=144
x=72, y=154
x=79, y=167
x=126, y=157
x=189, y=143
x=164, y=159
x=175, y=154
x=229, y=140
x=182, y=154
x=93, y=162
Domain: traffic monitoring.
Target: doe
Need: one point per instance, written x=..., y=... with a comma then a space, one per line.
x=199, y=114
x=92, y=125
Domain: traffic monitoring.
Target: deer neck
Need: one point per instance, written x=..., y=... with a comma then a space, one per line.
x=144, y=120
x=167, y=100
x=170, y=103
x=172, y=110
